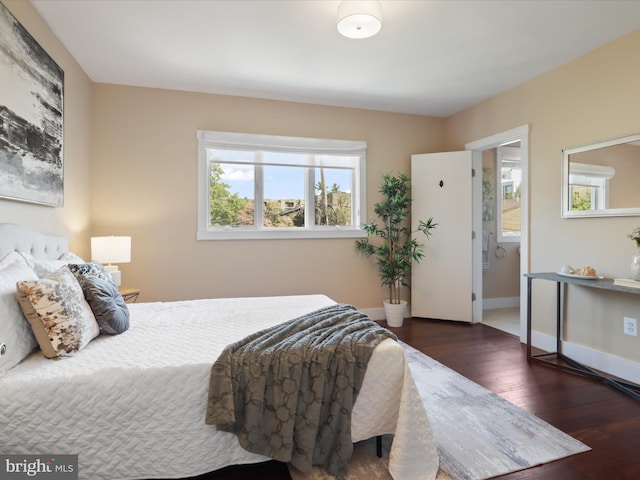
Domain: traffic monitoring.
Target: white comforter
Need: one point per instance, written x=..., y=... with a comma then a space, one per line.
x=133, y=406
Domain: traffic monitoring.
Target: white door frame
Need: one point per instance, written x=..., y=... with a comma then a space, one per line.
x=517, y=134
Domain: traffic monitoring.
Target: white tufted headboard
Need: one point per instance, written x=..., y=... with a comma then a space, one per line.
x=21, y=239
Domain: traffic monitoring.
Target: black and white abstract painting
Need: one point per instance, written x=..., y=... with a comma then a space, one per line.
x=31, y=118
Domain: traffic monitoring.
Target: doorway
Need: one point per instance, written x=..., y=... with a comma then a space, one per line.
x=519, y=136
x=501, y=226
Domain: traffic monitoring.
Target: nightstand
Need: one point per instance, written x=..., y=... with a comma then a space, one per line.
x=129, y=294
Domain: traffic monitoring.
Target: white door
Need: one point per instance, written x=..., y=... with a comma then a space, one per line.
x=441, y=187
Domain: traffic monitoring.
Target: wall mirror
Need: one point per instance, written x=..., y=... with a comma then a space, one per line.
x=602, y=179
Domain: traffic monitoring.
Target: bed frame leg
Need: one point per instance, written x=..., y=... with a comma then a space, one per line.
x=379, y=446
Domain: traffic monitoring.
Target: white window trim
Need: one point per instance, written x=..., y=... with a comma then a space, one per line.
x=210, y=139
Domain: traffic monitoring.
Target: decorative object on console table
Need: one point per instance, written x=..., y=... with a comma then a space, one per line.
x=31, y=107
x=626, y=282
x=635, y=260
x=399, y=249
x=635, y=266
x=129, y=294
x=111, y=250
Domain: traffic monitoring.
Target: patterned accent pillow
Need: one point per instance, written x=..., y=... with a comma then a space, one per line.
x=15, y=332
x=107, y=305
x=60, y=317
x=91, y=269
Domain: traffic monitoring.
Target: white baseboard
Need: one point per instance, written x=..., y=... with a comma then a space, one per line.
x=605, y=362
x=500, y=302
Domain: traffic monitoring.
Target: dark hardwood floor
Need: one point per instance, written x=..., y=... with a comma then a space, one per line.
x=601, y=417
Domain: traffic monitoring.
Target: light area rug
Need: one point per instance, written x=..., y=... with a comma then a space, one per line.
x=480, y=435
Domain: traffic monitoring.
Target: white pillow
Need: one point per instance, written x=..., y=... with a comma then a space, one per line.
x=44, y=268
x=70, y=257
x=15, y=331
x=60, y=317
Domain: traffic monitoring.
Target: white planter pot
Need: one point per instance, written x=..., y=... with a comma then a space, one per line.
x=394, y=313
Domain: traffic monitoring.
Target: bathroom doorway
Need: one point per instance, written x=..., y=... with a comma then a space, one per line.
x=501, y=230
x=502, y=257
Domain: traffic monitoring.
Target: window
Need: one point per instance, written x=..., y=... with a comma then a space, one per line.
x=589, y=186
x=265, y=186
x=509, y=177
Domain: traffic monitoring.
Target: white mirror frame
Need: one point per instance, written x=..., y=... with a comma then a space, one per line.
x=567, y=212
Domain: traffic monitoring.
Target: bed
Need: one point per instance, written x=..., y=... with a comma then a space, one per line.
x=132, y=406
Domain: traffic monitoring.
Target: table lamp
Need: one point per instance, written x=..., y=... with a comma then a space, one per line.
x=110, y=250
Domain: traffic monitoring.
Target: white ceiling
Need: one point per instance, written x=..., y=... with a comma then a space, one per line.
x=430, y=58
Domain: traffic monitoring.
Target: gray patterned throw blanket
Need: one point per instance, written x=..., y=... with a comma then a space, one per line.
x=288, y=391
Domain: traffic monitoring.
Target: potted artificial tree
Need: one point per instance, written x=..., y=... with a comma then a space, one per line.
x=398, y=248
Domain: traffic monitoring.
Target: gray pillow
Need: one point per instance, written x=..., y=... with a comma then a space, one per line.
x=107, y=304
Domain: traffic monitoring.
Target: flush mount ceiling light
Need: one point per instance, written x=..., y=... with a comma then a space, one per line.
x=359, y=18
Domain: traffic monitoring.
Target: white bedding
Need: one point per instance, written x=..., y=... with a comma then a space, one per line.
x=132, y=406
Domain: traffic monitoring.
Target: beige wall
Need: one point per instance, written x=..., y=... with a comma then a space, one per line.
x=596, y=97
x=144, y=183
x=130, y=168
x=72, y=220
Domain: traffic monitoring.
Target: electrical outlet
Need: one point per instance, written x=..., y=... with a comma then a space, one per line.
x=630, y=326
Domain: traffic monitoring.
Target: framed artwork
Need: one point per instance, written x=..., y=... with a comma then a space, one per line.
x=31, y=118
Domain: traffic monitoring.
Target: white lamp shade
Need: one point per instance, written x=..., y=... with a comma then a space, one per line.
x=359, y=18
x=111, y=249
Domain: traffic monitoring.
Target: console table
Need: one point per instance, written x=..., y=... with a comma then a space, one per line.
x=570, y=365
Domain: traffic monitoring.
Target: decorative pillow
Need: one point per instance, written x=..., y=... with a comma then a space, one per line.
x=44, y=268
x=91, y=269
x=60, y=317
x=15, y=332
x=107, y=305
x=70, y=257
